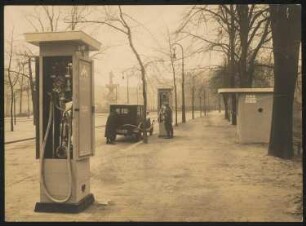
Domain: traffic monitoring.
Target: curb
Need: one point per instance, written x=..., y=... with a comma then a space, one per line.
x=32, y=138
x=16, y=141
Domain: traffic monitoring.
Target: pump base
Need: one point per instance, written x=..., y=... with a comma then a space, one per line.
x=65, y=207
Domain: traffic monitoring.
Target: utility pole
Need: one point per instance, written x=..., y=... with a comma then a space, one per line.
x=117, y=93
x=127, y=87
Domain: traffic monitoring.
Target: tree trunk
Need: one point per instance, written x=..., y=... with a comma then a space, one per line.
x=12, y=108
x=192, y=98
x=232, y=63
x=183, y=90
x=242, y=11
x=14, y=99
x=219, y=104
x=28, y=97
x=144, y=88
x=200, y=101
x=8, y=103
x=204, y=101
x=34, y=93
x=143, y=73
x=226, y=113
x=20, y=96
x=286, y=34
x=208, y=104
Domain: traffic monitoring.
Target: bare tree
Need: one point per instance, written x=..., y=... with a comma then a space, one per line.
x=243, y=30
x=45, y=18
x=12, y=77
x=286, y=33
x=118, y=21
x=21, y=82
x=27, y=58
x=253, y=29
x=221, y=16
x=76, y=13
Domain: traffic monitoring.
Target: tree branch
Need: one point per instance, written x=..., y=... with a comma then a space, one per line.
x=102, y=22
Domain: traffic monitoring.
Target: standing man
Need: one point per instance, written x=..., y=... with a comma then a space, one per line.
x=111, y=126
x=168, y=122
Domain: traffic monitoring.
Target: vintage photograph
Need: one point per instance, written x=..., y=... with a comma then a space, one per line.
x=153, y=113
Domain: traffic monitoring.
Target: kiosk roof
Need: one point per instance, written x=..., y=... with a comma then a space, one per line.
x=78, y=37
x=245, y=90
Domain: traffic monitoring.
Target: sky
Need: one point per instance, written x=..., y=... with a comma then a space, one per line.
x=149, y=38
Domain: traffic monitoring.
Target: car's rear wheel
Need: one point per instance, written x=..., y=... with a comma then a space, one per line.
x=137, y=137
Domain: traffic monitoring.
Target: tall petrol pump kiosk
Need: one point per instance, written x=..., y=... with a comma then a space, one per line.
x=65, y=134
x=164, y=97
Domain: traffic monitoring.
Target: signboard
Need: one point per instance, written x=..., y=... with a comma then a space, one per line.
x=250, y=99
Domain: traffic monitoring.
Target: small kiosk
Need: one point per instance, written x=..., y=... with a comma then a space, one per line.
x=164, y=97
x=65, y=137
x=254, y=113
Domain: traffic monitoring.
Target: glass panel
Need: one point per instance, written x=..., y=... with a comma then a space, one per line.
x=117, y=110
x=124, y=111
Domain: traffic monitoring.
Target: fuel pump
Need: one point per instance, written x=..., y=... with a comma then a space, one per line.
x=65, y=134
x=60, y=100
x=164, y=97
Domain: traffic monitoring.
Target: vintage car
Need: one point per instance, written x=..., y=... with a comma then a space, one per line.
x=130, y=119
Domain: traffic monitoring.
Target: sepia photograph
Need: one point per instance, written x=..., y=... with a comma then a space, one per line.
x=152, y=113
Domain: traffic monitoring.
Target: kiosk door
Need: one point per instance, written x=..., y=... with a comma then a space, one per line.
x=83, y=108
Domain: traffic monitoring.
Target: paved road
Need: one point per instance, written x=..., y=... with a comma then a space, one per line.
x=202, y=174
x=25, y=130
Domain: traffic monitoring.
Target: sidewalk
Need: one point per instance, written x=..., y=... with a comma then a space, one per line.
x=25, y=129
x=202, y=174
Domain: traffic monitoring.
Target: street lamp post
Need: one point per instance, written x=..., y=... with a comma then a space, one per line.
x=117, y=93
x=127, y=87
x=183, y=81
